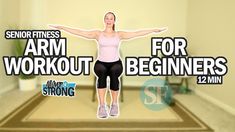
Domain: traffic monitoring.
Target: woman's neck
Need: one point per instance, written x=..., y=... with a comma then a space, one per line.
x=108, y=30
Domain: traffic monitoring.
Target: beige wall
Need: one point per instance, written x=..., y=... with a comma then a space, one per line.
x=207, y=24
x=210, y=32
x=131, y=15
x=9, y=16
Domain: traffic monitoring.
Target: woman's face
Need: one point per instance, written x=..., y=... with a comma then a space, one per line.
x=109, y=20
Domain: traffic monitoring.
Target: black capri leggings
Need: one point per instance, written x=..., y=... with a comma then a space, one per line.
x=111, y=69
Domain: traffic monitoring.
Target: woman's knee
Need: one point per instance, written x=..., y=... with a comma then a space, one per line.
x=116, y=70
x=101, y=73
x=114, y=83
x=101, y=83
x=100, y=70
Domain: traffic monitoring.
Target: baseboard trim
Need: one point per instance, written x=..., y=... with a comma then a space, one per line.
x=215, y=101
x=8, y=88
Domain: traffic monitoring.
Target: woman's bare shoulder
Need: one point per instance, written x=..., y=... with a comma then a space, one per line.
x=98, y=32
x=120, y=33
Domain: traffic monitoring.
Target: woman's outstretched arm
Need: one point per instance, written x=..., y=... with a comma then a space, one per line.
x=86, y=34
x=129, y=35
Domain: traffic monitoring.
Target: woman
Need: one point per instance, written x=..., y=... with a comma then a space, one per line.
x=108, y=62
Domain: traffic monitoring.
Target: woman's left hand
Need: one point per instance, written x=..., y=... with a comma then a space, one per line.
x=160, y=30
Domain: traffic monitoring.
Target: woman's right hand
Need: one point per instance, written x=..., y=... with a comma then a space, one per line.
x=55, y=26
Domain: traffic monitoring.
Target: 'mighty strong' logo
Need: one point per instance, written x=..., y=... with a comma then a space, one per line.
x=53, y=88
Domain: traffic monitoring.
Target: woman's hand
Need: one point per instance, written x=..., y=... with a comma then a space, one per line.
x=160, y=30
x=56, y=27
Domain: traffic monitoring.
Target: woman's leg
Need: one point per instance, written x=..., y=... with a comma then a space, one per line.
x=115, y=96
x=101, y=95
x=115, y=72
x=101, y=73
